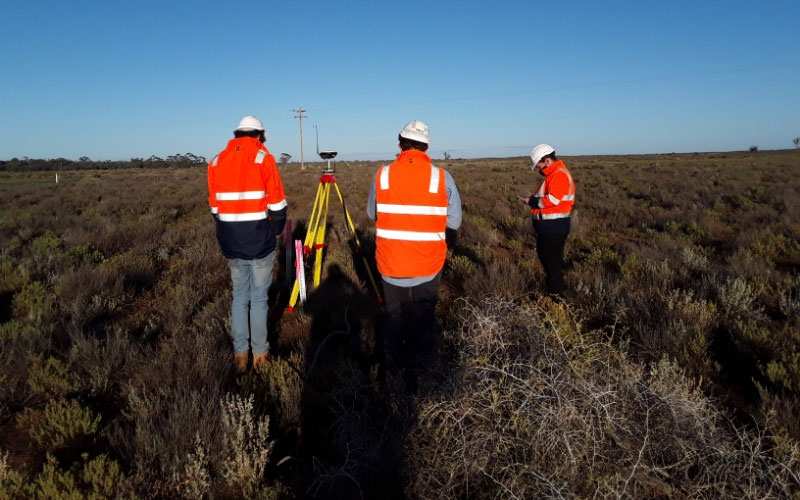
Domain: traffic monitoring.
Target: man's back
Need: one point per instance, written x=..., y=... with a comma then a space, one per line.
x=246, y=195
x=411, y=209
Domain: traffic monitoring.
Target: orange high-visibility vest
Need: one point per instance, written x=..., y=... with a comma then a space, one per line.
x=556, y=194
x=243, y=182
x=411, y=209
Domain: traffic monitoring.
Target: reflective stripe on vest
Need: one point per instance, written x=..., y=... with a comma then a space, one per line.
x=387, y=208
x=243, y=195
x=391, y=234
x=433, y=187
x=553, y=200
x=277, y=206
x=549, y=216
x=260, y=156
x=385, y=177
x=242, y=217
x=571, y=195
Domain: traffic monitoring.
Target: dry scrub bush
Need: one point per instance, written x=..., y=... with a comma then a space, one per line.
x=18, y=340
x=89, y=295
x=789, y=302
x=476, y=231
x=500, y=276
x=100, y=367
x=62, y=424
x=50, y=378
x=737, y=298
x=458, y=268
x=545, y=410
x=173, y=394
x=34, y=302
x=95, y=479
x=284, y=390
x=161, y=432
x=246, y=443
x=194, y=482
x=234, y=469
x=673, y=323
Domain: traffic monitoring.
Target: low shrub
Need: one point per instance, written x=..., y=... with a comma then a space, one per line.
x=98, y=478
x=543, y=409
x=49, y=378
x=500, y=276
x=100, y=366
x=34, y=302
x=246, y=444
x=737, y=299
x=673, y=323
x=62, y=424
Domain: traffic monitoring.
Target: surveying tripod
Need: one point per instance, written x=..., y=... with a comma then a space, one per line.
x=315, y=235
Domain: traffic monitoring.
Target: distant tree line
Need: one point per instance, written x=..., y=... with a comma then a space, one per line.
x=86, y=163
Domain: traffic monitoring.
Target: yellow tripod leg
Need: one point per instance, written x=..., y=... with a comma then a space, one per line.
x=313, y=222
x=294, y=296
x=320, y=242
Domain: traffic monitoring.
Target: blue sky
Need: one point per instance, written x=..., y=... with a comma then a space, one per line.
x=115, y=80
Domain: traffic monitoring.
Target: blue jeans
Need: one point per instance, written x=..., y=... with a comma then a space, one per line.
x=251, y=279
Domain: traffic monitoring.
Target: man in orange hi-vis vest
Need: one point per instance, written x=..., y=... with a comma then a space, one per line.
x=249, y=208
x=551, y=207
x=413, y=203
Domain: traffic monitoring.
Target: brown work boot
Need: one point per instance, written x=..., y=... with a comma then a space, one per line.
x=260, y=359
x=240, y=362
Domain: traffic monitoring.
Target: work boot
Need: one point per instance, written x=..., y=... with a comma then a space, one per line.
x=260, y=359
x=240, y=362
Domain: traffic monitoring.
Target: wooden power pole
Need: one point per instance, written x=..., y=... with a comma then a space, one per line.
x=299, y=115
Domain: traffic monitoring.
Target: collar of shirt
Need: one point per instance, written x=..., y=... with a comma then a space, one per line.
x=553, y=167
x=251, y=141
x=413, y=154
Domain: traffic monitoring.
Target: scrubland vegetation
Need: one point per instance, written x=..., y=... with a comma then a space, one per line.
x=673, y=370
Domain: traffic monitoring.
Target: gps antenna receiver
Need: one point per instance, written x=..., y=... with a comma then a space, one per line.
x=325, y=155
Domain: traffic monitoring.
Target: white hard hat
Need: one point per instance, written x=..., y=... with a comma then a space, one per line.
x=539, y=152
x=416, y=131
x=250, y=122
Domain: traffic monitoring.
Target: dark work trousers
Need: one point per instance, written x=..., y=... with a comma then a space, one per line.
x=408, y=327
x=551, y=235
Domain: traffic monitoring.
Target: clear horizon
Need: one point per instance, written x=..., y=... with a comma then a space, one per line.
x=316, y=159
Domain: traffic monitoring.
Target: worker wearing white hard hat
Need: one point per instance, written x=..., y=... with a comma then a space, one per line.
x=414, y=204
x=247, y=201
x=551, y=208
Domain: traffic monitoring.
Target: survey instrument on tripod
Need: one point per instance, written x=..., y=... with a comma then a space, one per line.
x=315, y=235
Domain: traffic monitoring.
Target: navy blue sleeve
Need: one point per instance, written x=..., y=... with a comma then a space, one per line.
x=277, y=219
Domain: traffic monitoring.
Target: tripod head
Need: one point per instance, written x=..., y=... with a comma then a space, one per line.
x=328, y=155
